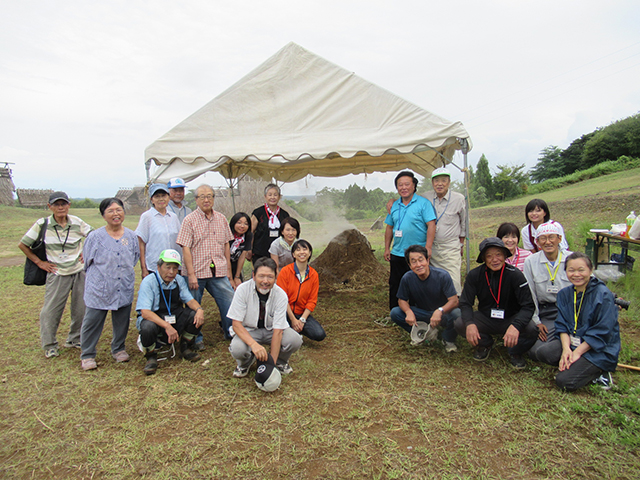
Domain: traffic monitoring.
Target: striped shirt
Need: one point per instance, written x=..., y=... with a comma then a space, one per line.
x=518, y=258
x=63, y=244
x=158, y=232
x=207, y=238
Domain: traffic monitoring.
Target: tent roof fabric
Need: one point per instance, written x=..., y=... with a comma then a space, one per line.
x=298, y=114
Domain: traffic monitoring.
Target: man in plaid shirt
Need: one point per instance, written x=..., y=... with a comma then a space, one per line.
x=204, y=238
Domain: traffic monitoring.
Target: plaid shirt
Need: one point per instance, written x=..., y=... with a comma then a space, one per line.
x=206, y=238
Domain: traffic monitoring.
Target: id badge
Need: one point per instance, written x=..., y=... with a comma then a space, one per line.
x=63, y=257
x=495, y=313
x=170, y=319
x=398, y=233
x=575, y=341
x=274, y=233
x=552, y=289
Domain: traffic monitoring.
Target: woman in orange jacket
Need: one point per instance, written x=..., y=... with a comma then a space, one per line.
x=301, y=283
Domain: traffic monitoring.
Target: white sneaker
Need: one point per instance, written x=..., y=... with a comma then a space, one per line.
x=605, y=381
x=284, y=368
x=240, y=372
x=449, y=347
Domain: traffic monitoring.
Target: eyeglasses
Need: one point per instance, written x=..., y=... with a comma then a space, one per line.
x=206, y=197
x=114, y=211
x=544, y=238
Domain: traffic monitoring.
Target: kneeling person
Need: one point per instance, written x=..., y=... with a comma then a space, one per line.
x=167, y=310
x=259, y=315
x=426, y=294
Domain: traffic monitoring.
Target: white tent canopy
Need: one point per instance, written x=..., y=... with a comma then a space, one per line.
x=298, y=114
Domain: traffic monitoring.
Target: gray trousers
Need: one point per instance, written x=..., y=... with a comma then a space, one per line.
x=93, y=325
x=241, y=352
x=547, y=314
x=56, y=294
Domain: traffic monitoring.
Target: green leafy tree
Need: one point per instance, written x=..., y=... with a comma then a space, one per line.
x=510, y=182
x=610, y=143
x=571, y=157
x=483, y=176
x=549, y=165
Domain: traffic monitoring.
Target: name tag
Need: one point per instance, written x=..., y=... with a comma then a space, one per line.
x=170, y=319
x=552, y=289
x=63, y=257
x=398, y=233
x=273, y=233
x=575, y=341
x=495, y=313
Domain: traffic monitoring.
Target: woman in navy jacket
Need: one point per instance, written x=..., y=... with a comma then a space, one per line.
x=587, y=330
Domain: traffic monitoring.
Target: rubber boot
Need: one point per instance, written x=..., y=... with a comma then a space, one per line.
x=186, y=350
x=152, y=363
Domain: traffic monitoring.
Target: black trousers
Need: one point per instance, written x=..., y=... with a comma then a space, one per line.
x=581, y=372
x=149, y=331
x=398, y=267
x=487, y=327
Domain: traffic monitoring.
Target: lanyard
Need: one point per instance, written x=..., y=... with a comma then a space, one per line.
x=515, y=262
x=55, y=227
x=445, y=207
x=533, y=241
x=576, y=312
x=403, y=212
x=553, y=277
x=499, y=286
x=162, y=292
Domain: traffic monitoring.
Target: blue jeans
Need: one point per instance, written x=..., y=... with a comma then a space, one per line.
x=222, y=292
x=448, y=333
x=312, y=329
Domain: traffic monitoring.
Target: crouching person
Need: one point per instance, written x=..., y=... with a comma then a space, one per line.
x=259, y=315
x=505, y=305
x=167, y=311
x=427, y=294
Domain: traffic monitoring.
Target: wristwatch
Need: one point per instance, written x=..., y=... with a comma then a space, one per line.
x=303, y=320
x=441, y=309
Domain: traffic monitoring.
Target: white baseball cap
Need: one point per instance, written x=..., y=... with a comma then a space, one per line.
x=422, y=331
x=440, y=171
x=548, y=228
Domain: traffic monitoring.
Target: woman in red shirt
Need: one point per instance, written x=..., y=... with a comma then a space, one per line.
x=301, y=283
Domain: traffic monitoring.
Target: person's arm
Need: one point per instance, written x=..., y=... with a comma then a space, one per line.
x=172, y=333
x=199, y=318
x=254, y=223
x=276, y=342
x=431, y=235
x=143, y=261
x=274, y=257
x=296, y=324
x=388, y=237
x=258, y=350
x=410, y=317
x=227, y=256
x=436, y=317
x=238, y=273
x=188, y=264
x=41, y=264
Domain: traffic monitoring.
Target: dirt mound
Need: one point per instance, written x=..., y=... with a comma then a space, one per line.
x=349, y=260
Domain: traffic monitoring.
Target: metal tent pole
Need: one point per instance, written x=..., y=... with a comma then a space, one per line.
x=465, y=150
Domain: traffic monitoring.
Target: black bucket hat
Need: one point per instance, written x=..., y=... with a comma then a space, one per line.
x=492, y=242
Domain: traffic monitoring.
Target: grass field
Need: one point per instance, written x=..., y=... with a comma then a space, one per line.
x=362, y=404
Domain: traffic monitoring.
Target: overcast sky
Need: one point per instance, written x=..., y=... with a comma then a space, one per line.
x=86, y=86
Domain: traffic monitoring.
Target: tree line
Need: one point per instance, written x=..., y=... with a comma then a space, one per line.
x=617, y=144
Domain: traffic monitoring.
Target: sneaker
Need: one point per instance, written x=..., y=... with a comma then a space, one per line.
x=449, y=347
x=51, y=352
x=89, y=364
x=480, y=354
x=121, y=356
x=284, y=368
x=240, y=372
x=605, y=381
x=198, y=347
x=518, y=361
x=72, y=345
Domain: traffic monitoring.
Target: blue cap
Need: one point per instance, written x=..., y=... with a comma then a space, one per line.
x=158, y=187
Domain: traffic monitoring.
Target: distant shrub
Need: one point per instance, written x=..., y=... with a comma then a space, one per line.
x=603, y=168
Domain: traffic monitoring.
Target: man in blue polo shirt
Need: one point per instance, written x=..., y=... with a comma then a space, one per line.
x=412, y=221
x=427, y=294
